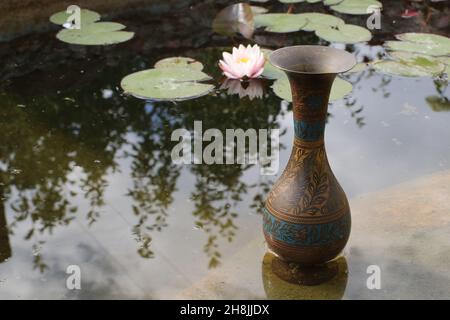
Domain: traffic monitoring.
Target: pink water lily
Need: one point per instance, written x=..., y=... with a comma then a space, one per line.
x=243, y=62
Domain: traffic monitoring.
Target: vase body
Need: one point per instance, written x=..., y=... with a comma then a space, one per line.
x=306, y=216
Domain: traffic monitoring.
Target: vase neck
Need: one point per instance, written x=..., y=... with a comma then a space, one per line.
x=310, y=95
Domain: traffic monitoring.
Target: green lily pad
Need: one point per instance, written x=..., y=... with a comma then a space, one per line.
x=179, y=62
x=340, y=89
x=401, y=68
x=355, y=6
x=280, y=22
x=438, y=103
x=100, y=33
x=98, y=27
x=319, y=20
x=424, y=43
x=174, y=84
x=291, y=1
x=427, y=63
x=346, y=33
x=331, y=2
x=446, y=62
x=86, y=17
x=270, y=71
x=282, y=88
x=359, y=67
x=427, y=38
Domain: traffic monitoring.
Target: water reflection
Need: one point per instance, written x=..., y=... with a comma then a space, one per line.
x=59, y=149
x=276, y=288
x=5, y=247
x=253, y=88
x=74, y=152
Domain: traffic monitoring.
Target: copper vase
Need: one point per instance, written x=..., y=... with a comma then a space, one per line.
x=306, y=214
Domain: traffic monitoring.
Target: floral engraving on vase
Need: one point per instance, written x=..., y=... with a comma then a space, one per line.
x=306, y=234
x=308, y=170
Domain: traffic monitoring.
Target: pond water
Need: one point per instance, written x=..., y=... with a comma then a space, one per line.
x=87, y=179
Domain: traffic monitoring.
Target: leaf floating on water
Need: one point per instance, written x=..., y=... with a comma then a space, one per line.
x=173, y=84
x=86, y=17
x=359, y=67
x=91, y=31
x=270, y=71
x=331, y=2
x=431, y=64
x=399, y=68
x=339, y=90
x=237, y=18
x=355, y=6
x=100, y=33
x=282, y=89
x=179, y=62
x=410, y=65
x=346, y=33
x=291, y=1
x=424, y=43
x=98, y=27
x=281, y=22
x=318, y=20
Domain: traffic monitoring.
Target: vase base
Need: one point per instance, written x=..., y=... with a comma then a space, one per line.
x=306, y=276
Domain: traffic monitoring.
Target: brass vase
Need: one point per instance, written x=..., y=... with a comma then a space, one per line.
x=306, y=214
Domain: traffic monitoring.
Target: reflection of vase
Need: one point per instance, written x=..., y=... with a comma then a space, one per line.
x=306, y=214
x=277, y=288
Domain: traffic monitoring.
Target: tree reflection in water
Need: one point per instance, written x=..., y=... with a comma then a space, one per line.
x=58, y=146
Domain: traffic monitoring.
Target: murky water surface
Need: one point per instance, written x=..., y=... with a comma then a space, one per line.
x=86, y=179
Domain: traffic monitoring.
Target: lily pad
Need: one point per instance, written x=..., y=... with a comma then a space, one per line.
x=319, y=20
x=331, y=2
x=270, y=71
x=100, y=33
x=355, y=6
x=401, y=68
x=291, y=1
x=179, y=62
x=98, y=27
x=424, y=43
x=86, y=17
x=359, y=67
x=340, y=89
x=346, y=33
x=282, y=89
x=174, y=84
x=237, y=18
x=280, y=22
x=429, y=64
x=446, y=62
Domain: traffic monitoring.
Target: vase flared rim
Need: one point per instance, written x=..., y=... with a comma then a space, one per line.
x=312, y=59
